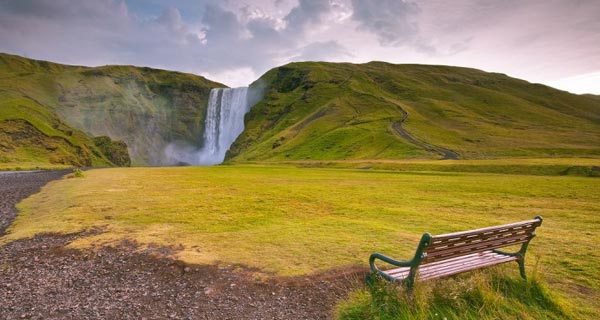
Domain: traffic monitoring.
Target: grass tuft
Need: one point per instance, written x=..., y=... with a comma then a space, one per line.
x=494, y=293
x=77, y=173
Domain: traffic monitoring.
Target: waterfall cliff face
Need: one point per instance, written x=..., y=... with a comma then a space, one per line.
x=224, y=123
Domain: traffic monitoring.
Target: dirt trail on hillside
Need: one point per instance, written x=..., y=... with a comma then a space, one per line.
x=397, y=126
x=446, y=154
x=41, y=279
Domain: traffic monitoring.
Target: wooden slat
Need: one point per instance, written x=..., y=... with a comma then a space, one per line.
x=470, y=242
x=480, y=241
x=474, y=248
x=478, y=259
x=463, y=243
x=398, y=273
x=448, y=242
x=453, y=266
x=480, y=264
x=535, y=222
x=466, y=258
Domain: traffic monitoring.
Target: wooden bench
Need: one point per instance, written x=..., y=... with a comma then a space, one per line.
x=454, y=253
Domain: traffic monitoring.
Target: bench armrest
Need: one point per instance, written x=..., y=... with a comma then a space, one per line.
x=389, y=260
x=510, y=254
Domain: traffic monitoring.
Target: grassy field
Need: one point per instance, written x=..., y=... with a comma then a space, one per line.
x=293, y=221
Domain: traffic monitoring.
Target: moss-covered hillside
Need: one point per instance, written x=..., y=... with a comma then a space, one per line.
x=314, y=110
x=68, y=105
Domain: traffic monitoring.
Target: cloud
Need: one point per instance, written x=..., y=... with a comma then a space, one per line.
x=322, y=51
x=539, y=40
x=307, y=15
x=394, y=22
x=254, y=39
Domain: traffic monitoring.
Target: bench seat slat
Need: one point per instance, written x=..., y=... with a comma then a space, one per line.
x=452, y=266
x=482, y=259
x=479, y=264
x=472, y=258
x=442, y=262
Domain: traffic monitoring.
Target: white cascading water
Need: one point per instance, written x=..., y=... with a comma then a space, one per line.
x=224, y=123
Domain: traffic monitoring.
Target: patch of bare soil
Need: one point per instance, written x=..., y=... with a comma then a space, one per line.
x=41, y=279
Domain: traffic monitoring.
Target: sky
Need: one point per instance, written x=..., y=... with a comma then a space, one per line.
x=555, y=42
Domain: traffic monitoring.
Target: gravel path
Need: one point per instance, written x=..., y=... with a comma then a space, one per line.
x=18, y=185
x=41, y=279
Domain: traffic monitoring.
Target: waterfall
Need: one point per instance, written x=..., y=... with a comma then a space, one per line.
x=224, y=123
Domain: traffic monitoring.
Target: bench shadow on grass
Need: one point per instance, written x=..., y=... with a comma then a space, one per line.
x=496, y=293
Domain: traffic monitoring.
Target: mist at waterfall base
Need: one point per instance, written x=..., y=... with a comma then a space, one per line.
x=224, y=123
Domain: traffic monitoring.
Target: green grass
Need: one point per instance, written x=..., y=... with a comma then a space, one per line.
x=341, y=111
x=484, y=294
x=293, y=221
x=586, y=167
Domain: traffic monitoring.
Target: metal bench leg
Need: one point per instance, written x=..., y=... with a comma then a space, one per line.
x=521, y=260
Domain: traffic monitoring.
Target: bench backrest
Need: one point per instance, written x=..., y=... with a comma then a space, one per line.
x=446, y=246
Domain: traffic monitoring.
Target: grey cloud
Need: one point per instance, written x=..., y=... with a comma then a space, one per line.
x=308, y=13
x=220, y=24
x=255, y=41
x=394, y=22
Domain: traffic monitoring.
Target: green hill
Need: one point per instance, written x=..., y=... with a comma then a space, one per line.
x=46, y=108
x=58, y=114
x=314, y=110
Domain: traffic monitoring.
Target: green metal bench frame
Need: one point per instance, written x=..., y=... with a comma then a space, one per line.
x=459, y=245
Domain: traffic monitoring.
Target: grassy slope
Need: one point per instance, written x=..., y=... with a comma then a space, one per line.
x=285, y=220
x=31, y=135
x=146, y=108
x=345, y=111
